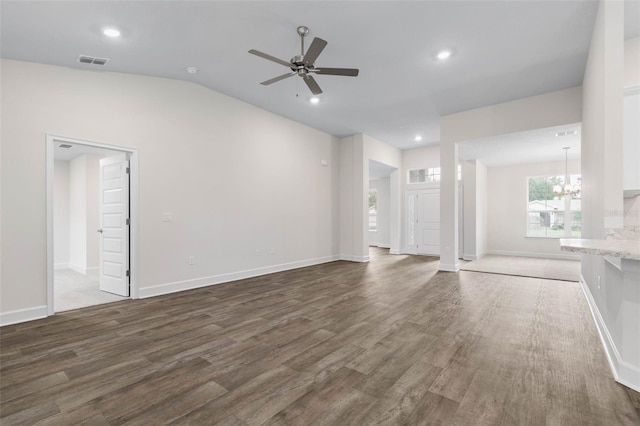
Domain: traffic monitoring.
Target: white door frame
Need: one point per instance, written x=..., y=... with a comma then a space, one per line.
x=51, y=140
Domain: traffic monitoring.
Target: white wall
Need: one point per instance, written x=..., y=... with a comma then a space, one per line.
x=92, y=210
x=482, y=208
x=78, y=214
x=536, y=112
x=507, y=210
x=420, y=158
x=632, y=62
x=237, y=178
x=347, y=195
x=474, y=175
x=381, y=237
x=613, y=300
x=355, y=153
x=376, y=150
x=61, y=214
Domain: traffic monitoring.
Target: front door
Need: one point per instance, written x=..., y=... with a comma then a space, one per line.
x=114, y=225
x=423, y=221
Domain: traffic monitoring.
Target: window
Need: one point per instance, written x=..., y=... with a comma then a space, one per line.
x=429, y=175
x=550, y=214
x=373, y=206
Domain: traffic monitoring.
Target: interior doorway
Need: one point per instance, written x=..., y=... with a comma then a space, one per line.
x=380, y=205
x=91, y=210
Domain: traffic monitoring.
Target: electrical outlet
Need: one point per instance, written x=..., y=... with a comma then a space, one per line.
x=258, y=252
x=167, y=217
x=192, y=260
x=272, y=250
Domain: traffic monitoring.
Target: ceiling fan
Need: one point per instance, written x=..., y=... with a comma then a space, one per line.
x=303, y=65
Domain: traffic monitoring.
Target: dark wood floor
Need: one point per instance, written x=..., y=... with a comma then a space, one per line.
x=390, y=342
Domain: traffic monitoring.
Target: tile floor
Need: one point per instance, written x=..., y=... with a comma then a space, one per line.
x=73, y=290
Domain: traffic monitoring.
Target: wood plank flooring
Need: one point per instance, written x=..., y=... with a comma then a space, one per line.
x=389, y=342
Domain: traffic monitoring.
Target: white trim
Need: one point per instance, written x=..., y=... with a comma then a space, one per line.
x=561, y=256
x=351, y=258
x=23, y=315
x=381, y=245
x=50, y=141
x=176, y=286
x=49, y=183
x=474, y=256
x=60, y=266
x=449, y=268
x=623, y=372
x=78, y=269
x=395, y=251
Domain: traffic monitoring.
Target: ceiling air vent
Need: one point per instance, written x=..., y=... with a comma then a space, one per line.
x=91, y=60
x=64, y=145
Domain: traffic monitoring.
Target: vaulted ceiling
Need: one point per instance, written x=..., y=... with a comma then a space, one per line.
x=502, y=50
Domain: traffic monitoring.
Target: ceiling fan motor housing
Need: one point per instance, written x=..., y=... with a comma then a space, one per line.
x=298, y=65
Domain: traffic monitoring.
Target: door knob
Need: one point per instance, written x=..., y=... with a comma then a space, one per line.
x=100, y=230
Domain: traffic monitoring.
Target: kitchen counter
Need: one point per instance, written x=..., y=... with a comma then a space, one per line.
x=625, y=249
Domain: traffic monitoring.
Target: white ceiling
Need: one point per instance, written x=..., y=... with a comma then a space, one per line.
x=535, y=146
x=379, y=170
x=503, y=50
x=66, y=154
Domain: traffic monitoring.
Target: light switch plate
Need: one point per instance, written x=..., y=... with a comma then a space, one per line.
x=167, y=217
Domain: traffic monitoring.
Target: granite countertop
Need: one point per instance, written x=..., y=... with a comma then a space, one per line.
x=625, y=249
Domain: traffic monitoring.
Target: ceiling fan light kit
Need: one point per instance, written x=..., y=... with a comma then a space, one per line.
x=303, y=65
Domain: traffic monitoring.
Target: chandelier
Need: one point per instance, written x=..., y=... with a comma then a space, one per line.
x=567, y=188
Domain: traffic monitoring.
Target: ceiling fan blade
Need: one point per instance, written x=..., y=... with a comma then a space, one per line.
x=313, y=86
x=278, y=78
x=317, y=45
x=269, y=57
x=349, y=72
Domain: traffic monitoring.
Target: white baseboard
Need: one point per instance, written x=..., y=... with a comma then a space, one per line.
x=23, y=315
x=78, y=269
x=395, y=251
x=60, y=266
x=448, y=267
x=473, y=256
x=623, y=372
x=176, y=286
x=560, y=256
x=351, y=258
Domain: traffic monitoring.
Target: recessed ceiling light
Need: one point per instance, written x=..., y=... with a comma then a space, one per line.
x=443, y=54
x=567, y=133
x=418, y=138
x=111, y=32
x=314, y=100
x=192, y=70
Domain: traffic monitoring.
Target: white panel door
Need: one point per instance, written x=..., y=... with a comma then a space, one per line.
x=114, y=229
x=428, y=225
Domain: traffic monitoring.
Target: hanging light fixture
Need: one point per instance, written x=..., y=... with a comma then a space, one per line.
x=566, y=189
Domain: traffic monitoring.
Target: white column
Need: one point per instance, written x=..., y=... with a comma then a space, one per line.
x=448, y=206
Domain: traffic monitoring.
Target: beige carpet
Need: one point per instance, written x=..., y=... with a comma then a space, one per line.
x=552, y=269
